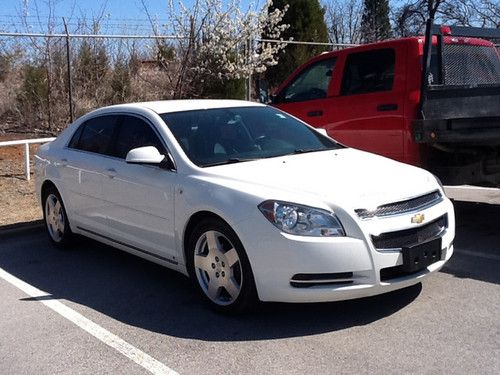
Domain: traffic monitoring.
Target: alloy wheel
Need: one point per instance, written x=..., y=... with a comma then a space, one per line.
x=54, y=217
x=218, y=268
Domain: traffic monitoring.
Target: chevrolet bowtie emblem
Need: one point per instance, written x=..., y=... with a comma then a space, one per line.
x=418, y=218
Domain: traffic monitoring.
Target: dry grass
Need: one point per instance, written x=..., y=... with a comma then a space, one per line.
x=18, y=202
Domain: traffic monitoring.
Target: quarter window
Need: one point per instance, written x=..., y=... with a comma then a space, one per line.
x=133, y=133
x=94, y=135
x=367, y=72
x=310, y=84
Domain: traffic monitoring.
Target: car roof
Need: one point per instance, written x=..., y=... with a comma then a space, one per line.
x=165, y=106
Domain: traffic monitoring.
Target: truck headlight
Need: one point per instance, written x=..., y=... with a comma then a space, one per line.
x=302, y=220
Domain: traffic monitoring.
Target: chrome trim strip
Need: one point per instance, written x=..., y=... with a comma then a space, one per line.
x=328, y=281
x=130, y=246
x=365, y=214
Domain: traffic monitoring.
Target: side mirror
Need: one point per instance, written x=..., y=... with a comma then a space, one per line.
x=263, y=91
x=322, y=131
x=149, y=155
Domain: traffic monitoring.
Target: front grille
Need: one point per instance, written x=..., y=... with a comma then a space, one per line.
x=402, y=207
x=409, y=237
x=306, y=280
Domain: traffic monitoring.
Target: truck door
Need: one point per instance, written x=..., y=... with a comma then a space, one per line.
x=306, y=96
x=369, y=106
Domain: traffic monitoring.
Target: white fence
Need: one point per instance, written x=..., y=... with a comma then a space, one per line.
x=26, y=143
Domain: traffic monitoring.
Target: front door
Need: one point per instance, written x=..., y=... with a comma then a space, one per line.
x=140, y=197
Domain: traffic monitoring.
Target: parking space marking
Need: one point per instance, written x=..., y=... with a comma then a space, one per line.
x=479, y=254
x=146, y=361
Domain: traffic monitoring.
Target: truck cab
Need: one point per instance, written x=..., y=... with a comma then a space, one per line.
x=383, y=98
x=358, y=95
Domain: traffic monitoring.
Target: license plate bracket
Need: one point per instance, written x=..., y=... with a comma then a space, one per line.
x=418, y=257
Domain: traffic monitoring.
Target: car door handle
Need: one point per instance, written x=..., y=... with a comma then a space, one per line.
x=387, y=107
x=64, y=162
x=315, y=113
x=111, y=172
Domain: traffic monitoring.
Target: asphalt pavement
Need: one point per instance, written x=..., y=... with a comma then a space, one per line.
x=108, y=312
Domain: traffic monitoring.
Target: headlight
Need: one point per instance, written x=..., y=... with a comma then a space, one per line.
x=302, y=220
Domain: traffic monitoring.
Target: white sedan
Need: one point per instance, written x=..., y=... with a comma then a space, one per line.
x=248, y=201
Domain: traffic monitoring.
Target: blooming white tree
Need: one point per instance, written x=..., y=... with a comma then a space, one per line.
x=218, y=41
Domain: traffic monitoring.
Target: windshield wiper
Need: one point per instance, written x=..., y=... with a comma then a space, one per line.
x=306, y=150
x=228, y=161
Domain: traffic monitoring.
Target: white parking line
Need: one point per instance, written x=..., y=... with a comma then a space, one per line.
x=478, y=254
x=110, y=339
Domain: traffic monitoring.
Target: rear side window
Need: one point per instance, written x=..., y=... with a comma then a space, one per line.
x=312, y=83
x=134, y=132
x=95, y=135
x=367, y=72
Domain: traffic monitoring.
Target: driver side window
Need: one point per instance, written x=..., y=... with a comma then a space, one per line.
x=312, y=83
x=134, y=132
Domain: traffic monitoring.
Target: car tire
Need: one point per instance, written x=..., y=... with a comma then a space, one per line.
x=56, y=219
x=219, y=267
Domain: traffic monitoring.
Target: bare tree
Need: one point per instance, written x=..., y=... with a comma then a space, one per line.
x=482, y=13
x=344, y=20
x=410, y=17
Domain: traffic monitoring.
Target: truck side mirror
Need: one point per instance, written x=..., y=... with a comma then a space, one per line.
x=263, y=91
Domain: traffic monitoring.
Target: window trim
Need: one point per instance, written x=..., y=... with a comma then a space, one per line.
x=115, y=134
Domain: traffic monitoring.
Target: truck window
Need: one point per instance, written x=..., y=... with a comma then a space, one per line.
x=311, y=83
x=466, y=65
x=367, y=72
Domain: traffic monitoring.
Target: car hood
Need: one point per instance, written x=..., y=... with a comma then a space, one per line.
x=342, y=177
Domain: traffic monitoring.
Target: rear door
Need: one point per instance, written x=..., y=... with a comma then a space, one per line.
x=370, y=101
x=307, y=95
x=82, y=172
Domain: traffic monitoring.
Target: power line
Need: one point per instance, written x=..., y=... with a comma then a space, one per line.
x=172, y=37
x=91, y=36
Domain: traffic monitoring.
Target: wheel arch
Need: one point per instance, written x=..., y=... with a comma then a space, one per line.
x=47, y=184
x=44, y=187
x=193, y=221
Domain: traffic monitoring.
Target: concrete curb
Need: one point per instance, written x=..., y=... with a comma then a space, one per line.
x=20, y=228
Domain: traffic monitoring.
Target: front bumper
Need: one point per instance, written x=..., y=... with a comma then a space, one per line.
x=351, y=264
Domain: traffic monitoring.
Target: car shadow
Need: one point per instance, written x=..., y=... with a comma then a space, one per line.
x=142, y=294
x=477, y=242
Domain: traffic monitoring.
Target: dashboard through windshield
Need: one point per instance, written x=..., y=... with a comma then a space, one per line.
x=230, y=135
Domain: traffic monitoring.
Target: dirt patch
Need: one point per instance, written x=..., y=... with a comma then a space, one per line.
x=18, y=202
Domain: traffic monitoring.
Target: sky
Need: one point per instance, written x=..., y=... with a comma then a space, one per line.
x=116, y=13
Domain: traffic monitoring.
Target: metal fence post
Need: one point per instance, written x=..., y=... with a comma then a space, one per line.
x=27, y=161
x=248, y=83
x=68, y=62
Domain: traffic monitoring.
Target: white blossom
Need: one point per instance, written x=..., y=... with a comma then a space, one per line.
x=219, y=41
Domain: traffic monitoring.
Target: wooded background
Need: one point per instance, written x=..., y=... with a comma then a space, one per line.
x=211, y=50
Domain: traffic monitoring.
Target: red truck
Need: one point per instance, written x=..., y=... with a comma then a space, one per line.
x=435, y=105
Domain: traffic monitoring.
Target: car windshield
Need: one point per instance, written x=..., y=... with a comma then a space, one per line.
x=230, y=135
